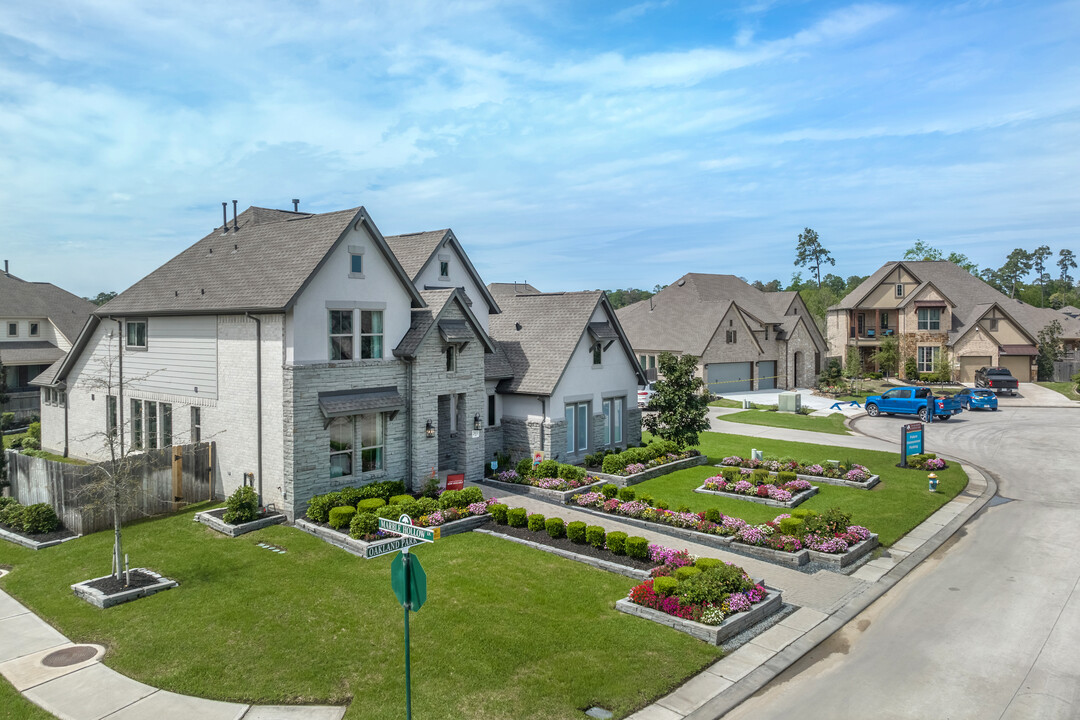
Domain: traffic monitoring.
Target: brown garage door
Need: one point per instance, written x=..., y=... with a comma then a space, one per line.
x=968, y=366
x=1019, y=366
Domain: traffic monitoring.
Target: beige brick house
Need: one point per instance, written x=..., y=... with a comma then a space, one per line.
x=937, y=309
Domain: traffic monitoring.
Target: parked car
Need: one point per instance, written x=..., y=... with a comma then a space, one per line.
x=912, y=401
x=977, y=399
x=644, y=395
x=998, y=379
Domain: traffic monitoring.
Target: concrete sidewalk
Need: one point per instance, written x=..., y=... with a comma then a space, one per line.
x=69, y=680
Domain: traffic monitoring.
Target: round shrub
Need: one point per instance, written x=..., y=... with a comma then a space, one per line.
x=792, y=526
x=242, y=506
x=802, y=513
x=555, y=527
x=595, y=536
x=713, y=515
x=498, y=513
x=706, y=562
x=665, y=586
x=637, y=547
x=472, y=495
x=730, y=474
x=34, y=431
x=536, y=522
x=524, y=467
x=516, y=517
x=342, y=516
x=627, y=494
x=616, y=542
x=576, y=531
x=646, y=498
x=609, y=490
x=39, y=518
x=759, y=476
x=400, y=500
x=452, y=498
x=352, y=496
x=362, y=525
x=614, y=463
x=11, y=515
x=685, y=573
x=389, y=512
x=662, y=504
x=786, y=476
x=684, y=508
x=547, y=469
x=370, y=505
x=319, y=506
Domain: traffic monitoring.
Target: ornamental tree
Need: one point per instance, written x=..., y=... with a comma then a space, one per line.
x=681, y=401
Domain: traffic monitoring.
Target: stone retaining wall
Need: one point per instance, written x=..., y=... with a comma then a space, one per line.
x=595, y=562
x=795, y=500
x=853, y=555
x=99, y=599
x=628, y=480
x=716, y=541
x=870, y=482
x=32, y=544
x=713, y=634
x=213, y=520
x=560, y=497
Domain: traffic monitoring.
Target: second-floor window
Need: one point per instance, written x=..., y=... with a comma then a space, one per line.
x=899, y=290
x=451, y=358
x=444, y=268
x=341, y=334
x=730, y=336
x=136, y=334
x=12, y=329
x=597, y=354
x=929, y=318
x=371, y=334
x=34, y=330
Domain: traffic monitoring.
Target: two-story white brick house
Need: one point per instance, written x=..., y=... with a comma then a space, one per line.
x=315, y=352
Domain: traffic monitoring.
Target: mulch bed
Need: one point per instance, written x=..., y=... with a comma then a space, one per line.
x=542, y=538
x=60, y=533
x=109, y=585
x=219, y=513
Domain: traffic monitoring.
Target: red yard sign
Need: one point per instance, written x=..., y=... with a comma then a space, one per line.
x=455, y=482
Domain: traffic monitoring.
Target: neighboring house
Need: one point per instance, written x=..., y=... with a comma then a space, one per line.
x=38, y=324
x=569, y=382
x=938, y=309
x=313, y=351
x=744, y=338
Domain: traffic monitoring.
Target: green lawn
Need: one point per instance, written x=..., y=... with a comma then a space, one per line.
x=724, y=402
x=833, y=424
x=16, y=707
x=896, y=505
x=1068, y=389
x=507, y=631
x=8, y=439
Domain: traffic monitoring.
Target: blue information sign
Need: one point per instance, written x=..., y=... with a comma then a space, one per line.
x=914, y=441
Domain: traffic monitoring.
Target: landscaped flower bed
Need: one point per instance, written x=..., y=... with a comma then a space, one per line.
x=33, y=526
x=926, y=462
x=642, y=463
x=240, y=515
x=843, y=473
x=557, y=489
x=783, y=490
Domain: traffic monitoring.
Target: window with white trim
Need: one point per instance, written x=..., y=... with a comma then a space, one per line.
x=13, y=329
x=372, y=442
x=151, y=424
x=342, y=435
x=166, y=425
x=341, y=334
x=136, y=334
x=928, y=354
x=899, y=289
x=34, y=329
x=371, y=334
x=929, y=318
x=136, y=424
x=613, y=420
x=577, y=427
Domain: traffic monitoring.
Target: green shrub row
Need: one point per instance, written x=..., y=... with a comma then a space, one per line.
x=388, y=494
x=577, y=531
x=617, y=462
x=549, y=469
x=30, y=519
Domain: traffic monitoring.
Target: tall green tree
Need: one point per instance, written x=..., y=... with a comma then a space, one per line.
x=811, y=254
x=101, y=298
x=1066, y=260
x=1051, y=349
x=1017, y=266
x=681, y=401
x=1038, y=264
x=629, y=296
x=922, y=251
x=887, y=356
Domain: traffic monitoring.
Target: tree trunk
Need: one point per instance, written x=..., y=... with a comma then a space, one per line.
x=118, y=554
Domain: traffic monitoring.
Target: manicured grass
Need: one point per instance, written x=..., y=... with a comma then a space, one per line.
x=833, y=424
x=724, y=402
x=8, y=439
x=895, y=506
x=507, y=631
x=1068, y=389
x=16, y=707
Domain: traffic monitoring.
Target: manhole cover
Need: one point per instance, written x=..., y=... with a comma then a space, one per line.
x=69, y=656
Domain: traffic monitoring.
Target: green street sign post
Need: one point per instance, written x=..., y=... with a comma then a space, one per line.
x=408, y=580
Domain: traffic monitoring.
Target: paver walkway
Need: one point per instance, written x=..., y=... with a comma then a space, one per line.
x=88, y=690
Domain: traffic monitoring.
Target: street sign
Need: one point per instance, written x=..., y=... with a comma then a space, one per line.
x=385, y=548
x=406, y=528
x=409, y=581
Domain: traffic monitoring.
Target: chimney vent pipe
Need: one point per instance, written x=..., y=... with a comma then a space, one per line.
x=224, y=217
x=6, y=269
x=296, y=205
x=234, y=225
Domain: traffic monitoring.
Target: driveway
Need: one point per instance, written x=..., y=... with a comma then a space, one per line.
x=772, y=397
x=1032, y=395
x=987, y=626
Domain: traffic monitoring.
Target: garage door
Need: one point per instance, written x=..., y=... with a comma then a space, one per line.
x=766, y=372
x=1019, y=366
x=728, y=377
x=968, y=366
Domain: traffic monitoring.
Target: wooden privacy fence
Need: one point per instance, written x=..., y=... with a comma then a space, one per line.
x=1065, y=369
x=169, y=478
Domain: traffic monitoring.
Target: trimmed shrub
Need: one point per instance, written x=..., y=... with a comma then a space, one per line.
x=706, y=562
x=665, y=586
x=595, y=536
x=684, y=508
x=729, y=474
x=30, y=443
x=400, y=500
x=786, y=476
x=646, y=499
x=460, y=498
x=802, y=513
x=637, y=547
x=318, y=509
x=34, y=431
x=662, y=504
x=616, y=542
x=759, y=476
x=576, y=532
x=571, y=472
x=547, y=469
x=242, y=506
x=498, y=513
x=832, y=521
x=342, y=516
x=555, y=527
x=524, y=467
x=713, y=515
x=11, y=514
x=472, y=495
x=390, y=512
x=609, y=490
x=614, y=463
x=792, y=526
x=352, y=496
x=627, y=494
x=685, y=573
x=39, y=518
x=363, y=524
x=516, y=517
x=370, y=505
x=536, y=522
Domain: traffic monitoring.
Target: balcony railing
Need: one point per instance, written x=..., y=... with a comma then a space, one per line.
x=871, y=333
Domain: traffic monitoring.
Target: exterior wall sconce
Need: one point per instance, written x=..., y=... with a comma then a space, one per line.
x=476, y=422
x=429, y=429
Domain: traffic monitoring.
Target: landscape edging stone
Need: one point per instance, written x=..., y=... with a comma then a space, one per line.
x=713, y=634
x=102, y=600
x=655, y=472
x=795, y=500
x=33, y=544
x=215, y=523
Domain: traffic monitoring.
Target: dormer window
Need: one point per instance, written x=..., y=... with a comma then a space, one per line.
x=34, y=329
x=13, y=329
x=444, y=269
x=899, y=290
x=136, y=334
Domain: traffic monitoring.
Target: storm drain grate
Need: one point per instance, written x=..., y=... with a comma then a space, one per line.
x=272, y=548
x=69, y=656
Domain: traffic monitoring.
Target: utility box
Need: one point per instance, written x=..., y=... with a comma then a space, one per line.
x=789, y=402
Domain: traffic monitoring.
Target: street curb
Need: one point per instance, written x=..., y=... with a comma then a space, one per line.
x=761, y=676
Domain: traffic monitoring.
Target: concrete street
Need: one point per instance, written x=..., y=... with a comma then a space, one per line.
x=988, y=625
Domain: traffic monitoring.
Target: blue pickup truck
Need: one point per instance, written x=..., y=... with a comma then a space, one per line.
x=912, y=401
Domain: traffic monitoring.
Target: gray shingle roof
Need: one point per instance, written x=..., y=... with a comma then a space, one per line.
x=343, y=403
x=261, y=267
x=424, y=319
x=22, y=299
x=36, y=352
x=497, y=365
x=684, y=315
x=48, y=377
x=414, y=249
x=970, y=296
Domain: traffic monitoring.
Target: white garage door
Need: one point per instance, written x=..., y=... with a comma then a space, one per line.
x=766, y=372
x=1019, y=366
x=729, y=377
x=968, y=366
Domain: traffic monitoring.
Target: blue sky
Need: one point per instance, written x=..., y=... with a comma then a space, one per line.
x=570, y=144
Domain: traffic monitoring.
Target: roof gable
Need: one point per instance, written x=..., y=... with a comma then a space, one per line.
x=427, y=318
x=24, y=299
x=418, y=250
